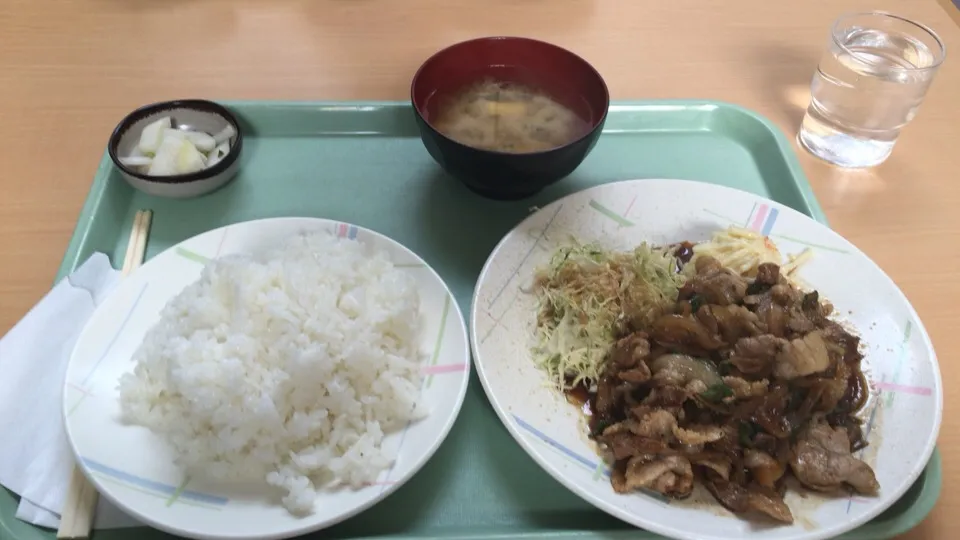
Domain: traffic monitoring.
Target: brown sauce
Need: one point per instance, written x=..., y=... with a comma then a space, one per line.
x=581, y=397
x=856, y=394
x=683, y=253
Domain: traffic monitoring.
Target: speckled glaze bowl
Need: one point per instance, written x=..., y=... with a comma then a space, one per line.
x=196, y=114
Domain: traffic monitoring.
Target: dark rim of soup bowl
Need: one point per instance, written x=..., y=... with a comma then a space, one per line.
x=596, y=123
x=202, y=105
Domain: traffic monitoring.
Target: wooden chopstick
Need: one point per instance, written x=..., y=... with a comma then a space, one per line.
x=132, y=243
x=138, y=241
x=76, y=521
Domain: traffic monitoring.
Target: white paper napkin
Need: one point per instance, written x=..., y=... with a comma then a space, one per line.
x=35, y=458
x=108, y=516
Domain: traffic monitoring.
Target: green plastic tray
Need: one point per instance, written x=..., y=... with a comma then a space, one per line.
x=364, y=163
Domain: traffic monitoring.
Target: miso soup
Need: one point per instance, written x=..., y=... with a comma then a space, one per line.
x=508, y=117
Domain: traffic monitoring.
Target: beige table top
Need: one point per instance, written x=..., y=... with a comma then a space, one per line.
x=70, y=69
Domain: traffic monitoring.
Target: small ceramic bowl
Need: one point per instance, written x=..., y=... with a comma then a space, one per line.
x=194, y=114
x=557, y=72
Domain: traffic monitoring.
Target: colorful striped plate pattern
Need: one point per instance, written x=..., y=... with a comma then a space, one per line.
x=902, y=418
x=134, y=468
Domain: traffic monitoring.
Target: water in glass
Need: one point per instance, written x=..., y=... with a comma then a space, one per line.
x=868, y=86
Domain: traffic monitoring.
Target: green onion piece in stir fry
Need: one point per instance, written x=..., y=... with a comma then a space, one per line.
x=717, y=393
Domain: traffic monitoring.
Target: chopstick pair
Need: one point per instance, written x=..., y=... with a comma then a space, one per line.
x=76, y=521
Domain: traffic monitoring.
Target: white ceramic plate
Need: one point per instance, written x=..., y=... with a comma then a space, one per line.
x=903, y=416
x=134, y=468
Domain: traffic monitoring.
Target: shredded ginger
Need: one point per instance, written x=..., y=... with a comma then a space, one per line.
x=743, y=251
x=588, y=295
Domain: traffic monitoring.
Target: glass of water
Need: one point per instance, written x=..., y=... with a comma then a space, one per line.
x=868, y=86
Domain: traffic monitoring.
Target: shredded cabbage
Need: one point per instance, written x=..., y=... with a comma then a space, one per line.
x=588, y=296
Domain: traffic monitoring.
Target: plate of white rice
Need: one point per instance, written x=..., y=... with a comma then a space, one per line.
x=266, y=379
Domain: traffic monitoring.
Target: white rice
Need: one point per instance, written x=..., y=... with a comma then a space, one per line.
x=288, y=368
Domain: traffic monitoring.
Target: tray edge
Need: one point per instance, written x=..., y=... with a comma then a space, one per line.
x=932, y=473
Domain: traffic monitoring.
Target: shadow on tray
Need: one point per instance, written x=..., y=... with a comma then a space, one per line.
x=466, y=227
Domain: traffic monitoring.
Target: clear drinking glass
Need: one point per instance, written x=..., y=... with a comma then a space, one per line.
x=868, y=85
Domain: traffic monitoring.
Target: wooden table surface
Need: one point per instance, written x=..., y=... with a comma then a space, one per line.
x=70, y=69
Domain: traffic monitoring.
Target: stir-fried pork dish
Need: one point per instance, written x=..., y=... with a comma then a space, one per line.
x=738, y=385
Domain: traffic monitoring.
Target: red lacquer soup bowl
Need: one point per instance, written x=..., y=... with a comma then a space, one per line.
x=546, y=70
